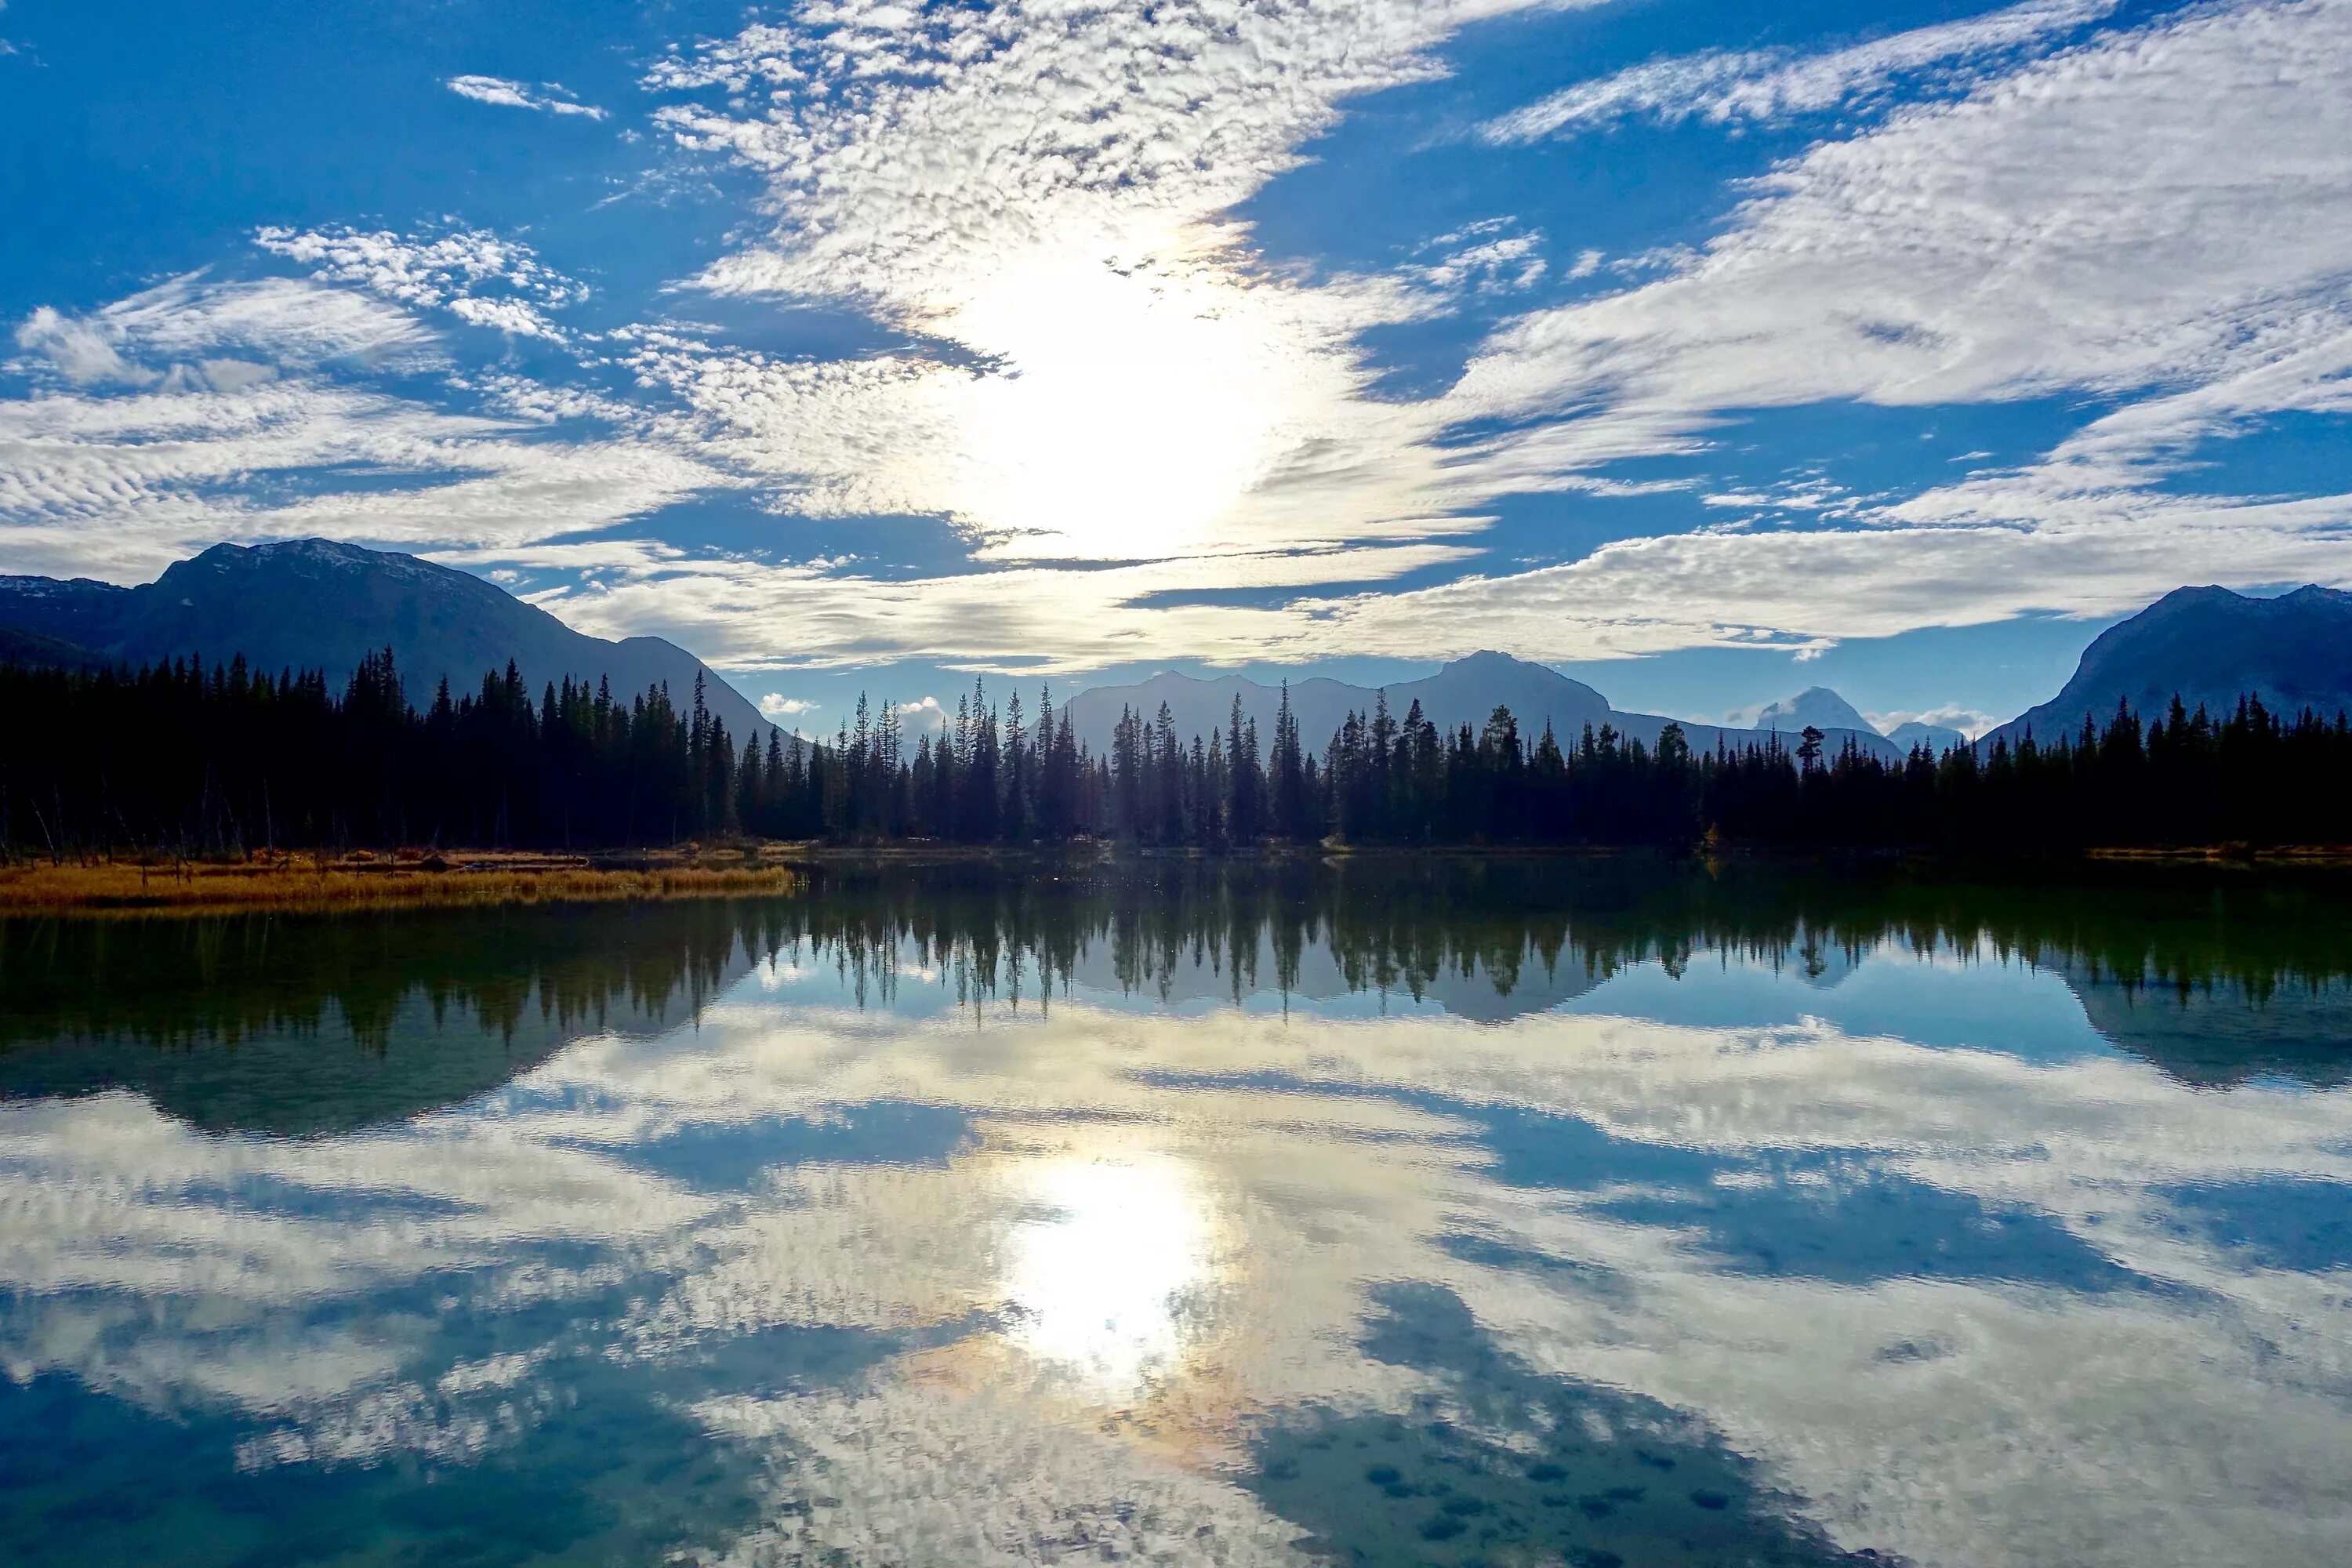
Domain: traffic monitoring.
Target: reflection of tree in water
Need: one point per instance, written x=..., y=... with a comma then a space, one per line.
x=339, y=1022
x=299, y=1026
x=181, y=982
x=2213, y=975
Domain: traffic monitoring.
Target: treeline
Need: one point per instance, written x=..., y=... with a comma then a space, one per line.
x=2251, y=776
x=187, y=760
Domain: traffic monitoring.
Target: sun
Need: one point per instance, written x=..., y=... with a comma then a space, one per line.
x=1124, y=412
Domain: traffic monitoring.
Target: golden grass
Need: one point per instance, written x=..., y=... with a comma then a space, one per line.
x=362, y=881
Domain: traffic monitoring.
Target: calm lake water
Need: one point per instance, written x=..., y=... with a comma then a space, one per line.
x=1515, y=1211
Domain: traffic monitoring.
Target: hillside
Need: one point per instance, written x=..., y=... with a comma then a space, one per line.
x=18, y=645
x=310, y=603
x=2210, y=645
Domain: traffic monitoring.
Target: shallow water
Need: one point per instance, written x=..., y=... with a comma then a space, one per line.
x=1542, y=1212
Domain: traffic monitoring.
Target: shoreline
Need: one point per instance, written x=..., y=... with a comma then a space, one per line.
x=415, y=879
x=303, y=884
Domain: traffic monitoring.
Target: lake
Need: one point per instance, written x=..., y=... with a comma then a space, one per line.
x=1522, y=1210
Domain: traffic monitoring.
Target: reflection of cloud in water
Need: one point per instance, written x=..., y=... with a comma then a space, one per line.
x=1189, y=1218
x=917, y=1472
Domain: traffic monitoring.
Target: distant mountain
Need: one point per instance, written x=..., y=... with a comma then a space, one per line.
x=310, y=603
x=1463, y=692
x=2210, y=646
x=1818, y=706
x=1939, y=738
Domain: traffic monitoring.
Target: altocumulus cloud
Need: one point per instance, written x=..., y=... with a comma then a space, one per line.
x=231, y=411
x=1124, y=412
x=1722, y=86
x=2197, y=165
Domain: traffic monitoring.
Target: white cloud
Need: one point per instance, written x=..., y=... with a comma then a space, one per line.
x=206, y=445
x=776, y=705
x=1048, y=191
x=1139, y=409
x=2166, y=216
x=84, y=352
x=1772, y=84
x=1970, y=721
x=2148, y=209
x=551, y=98
x=743, y=614
x=179, y=329
x=447, y=272
x=1489, y=258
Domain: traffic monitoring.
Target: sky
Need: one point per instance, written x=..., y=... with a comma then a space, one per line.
x=1707, y=351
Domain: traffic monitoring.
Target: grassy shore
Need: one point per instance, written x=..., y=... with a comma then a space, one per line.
x=459, y=879
x=409, y=880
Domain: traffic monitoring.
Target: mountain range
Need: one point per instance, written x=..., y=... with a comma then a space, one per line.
x=1463, y=692
x=2209, y=645
x=310, y=603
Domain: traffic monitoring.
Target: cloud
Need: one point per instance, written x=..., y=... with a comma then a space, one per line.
x=743, y=615
x=84, y=352
x=1128, y=412
x=2165, y=206
x=1048, y=195
x=446, y=272
x=1970, y=721
x=551, y=97
x=776, y=705
x=1722, y=86
x=235, y=425
x=183, y=325
x=2162, y=220
x=1488, y=258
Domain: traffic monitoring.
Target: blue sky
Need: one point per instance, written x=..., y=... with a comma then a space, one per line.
x=1709, y=351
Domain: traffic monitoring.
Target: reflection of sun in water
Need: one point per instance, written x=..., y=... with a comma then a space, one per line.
x=1100, y=1278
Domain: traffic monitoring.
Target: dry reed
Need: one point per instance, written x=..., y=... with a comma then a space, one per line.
x=294, y=883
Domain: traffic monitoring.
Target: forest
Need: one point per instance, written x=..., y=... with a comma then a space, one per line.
x=181, y=759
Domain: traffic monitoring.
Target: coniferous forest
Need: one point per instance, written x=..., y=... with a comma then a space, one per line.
x=185, y=759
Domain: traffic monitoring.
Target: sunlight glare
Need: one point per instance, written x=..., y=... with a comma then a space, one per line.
x=1099, y=1280
x=1132, y=409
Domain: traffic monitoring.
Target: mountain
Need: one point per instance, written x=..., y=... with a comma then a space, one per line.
x=1937, y=737
x=309, y=604
x=1818, y=706
x=2210, y=646
x=1463, y=692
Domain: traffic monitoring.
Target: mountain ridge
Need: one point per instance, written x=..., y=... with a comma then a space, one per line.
x=2210, y=645
x=1464, y=690
x=315, y=604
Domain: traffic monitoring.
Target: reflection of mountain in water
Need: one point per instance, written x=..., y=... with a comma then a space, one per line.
x=293, y=1025
x=305, y=1026
x=2222, y=1033
x=1488, y=986
x=2212, y=975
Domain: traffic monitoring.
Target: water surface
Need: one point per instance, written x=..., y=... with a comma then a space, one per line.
x=1549, y=1211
